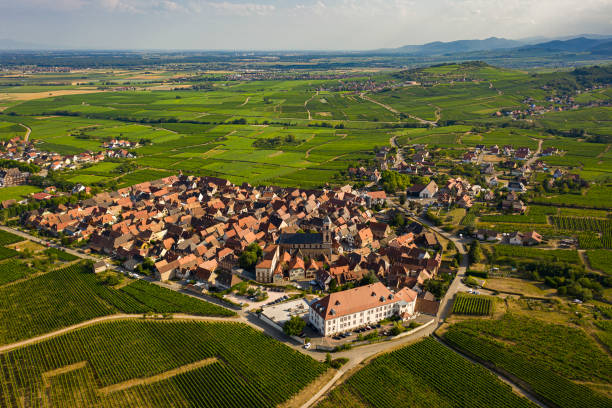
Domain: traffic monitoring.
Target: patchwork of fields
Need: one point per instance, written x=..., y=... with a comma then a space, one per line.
x=224, y=130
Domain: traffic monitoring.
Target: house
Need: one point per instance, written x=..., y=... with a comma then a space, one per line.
x=380, y=230
x=516, y=186
x=516, y=206
x=516, y=238
x=364, y=237
x=226, y=279
x=550, y=151
x=489, y=168
x=470, y=157
x=99, y=266
x=349, y=309
x=375, y=198
x=532, y=238
x=423, y=191
x=13, y=177
x=488, y=235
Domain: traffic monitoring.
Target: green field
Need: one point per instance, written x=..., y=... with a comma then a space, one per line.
x=425, y=374
x=520, y=252
x=135, y=363
x=600, y=259
x=552, y=359
x=216, y=131
x=17, y=192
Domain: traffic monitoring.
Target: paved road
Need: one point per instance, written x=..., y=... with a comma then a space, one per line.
x=535, y=155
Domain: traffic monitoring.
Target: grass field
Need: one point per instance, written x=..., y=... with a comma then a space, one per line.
x=17, y=192
x=139, y=363
x=425, y=374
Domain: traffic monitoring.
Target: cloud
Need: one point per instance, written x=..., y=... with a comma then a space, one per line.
x=240, y=9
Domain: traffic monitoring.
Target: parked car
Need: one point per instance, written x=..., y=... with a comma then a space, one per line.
x=307, y=346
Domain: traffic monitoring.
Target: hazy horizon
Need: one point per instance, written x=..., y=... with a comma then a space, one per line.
x=290, y=25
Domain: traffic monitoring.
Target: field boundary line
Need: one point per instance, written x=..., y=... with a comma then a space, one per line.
x=158, y=377
x=120, y=316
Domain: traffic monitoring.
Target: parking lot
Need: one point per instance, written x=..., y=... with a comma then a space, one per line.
x=253, y=304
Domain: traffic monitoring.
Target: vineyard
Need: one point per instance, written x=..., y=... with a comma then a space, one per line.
x=6, y=253
x=523, y=219
x=135, y=363
x=61, y=255
x=472, y=305
x=6, y=238
x=73, y=294
x=601, y=260
x=426, y=374
x=469, y=219
x=590, y=240
x=588, y=229
x=554, y=255
x=603, y=226
x=12, y=270
x=546, y=356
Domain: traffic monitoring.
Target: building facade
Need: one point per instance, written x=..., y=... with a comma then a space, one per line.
x=346, y=310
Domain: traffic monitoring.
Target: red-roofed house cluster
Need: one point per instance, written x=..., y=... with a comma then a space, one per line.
x=197, y=227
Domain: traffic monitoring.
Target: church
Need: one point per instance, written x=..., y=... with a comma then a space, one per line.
x=314, y=245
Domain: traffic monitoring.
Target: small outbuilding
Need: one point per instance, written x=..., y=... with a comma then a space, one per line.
x=99, y=266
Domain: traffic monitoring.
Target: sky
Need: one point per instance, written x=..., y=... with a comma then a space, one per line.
x=291, y=24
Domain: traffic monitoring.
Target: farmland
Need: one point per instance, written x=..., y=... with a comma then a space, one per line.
x=424, y=374
x=223, y=130
x=472, y=305
x=540, y=354
x=155, y=363
x=601, y=260
x=555, y=255
x=73, y=294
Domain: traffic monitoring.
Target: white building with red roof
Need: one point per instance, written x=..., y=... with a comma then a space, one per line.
x=349, y=309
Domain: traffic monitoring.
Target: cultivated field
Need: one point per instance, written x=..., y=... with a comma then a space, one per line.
x=424, y=374
x=137, y=363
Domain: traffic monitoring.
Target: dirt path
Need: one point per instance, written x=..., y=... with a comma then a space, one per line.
x=393, y=110
x=246, y=101
x=600, y=155
x=120, y=316
x=323, y=144
x=306, y=103
x=515, y=388
x=28, y=131
x=157, y=378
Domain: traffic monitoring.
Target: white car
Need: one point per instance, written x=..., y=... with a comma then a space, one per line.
x=307, y=346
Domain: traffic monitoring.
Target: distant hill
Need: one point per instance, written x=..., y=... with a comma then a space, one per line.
x=580, y=44
x=456, y=47
x=602, y=49
x=481, y=49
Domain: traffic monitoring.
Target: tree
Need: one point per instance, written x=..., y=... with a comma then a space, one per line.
x=294, y=326
x=248, y=258
x=475, y=252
